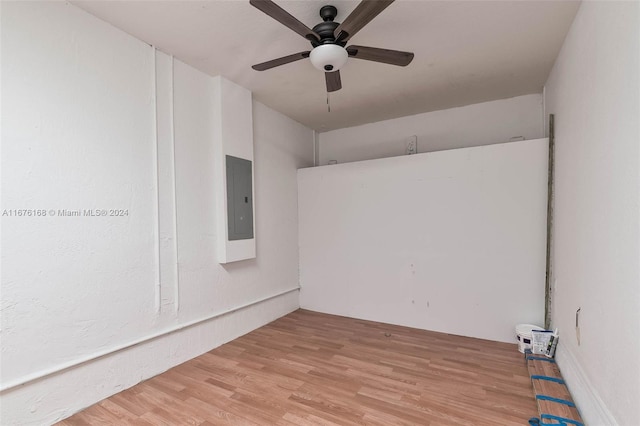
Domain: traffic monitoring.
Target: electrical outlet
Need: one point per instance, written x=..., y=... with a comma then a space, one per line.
x=412, y=145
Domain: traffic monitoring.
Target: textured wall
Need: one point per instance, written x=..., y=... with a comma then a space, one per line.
x=95, y=119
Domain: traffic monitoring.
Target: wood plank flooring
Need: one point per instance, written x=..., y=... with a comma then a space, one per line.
x=309, y=368
x=552, y=389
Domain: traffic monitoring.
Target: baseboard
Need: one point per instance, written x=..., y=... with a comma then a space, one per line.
x=591, y=407
x=57, y=396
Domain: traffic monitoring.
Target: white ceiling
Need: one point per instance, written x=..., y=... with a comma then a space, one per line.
x=465, y=52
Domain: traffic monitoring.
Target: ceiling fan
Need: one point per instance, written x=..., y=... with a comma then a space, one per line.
x=329, y=38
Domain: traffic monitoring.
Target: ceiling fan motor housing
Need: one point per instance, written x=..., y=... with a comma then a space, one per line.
x=326, y=28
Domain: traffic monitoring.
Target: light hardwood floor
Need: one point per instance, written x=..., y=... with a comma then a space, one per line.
x=309, y=368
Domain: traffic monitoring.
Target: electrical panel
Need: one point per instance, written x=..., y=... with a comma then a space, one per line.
x=239, y=198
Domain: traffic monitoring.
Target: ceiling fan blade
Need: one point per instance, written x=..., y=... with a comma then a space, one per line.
x=387, y=56
x=280, y=61
x=361, y=16
x=333, y=81
x=285, y=18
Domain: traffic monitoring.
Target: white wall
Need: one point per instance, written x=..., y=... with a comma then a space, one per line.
x=451, y=241
x=94, y=119
x=594, y=92
x=233, y=136
x=473, y=125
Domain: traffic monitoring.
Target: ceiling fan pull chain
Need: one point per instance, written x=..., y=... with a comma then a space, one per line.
x=328, y=104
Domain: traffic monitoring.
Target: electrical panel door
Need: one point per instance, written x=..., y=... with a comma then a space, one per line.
x=239, y=198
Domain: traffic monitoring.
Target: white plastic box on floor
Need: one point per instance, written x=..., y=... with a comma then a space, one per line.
x=524, y=334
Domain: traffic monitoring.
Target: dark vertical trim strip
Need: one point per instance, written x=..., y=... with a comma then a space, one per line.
x=547, y=283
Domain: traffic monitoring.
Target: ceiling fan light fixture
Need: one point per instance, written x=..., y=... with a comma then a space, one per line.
x=328, y=57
